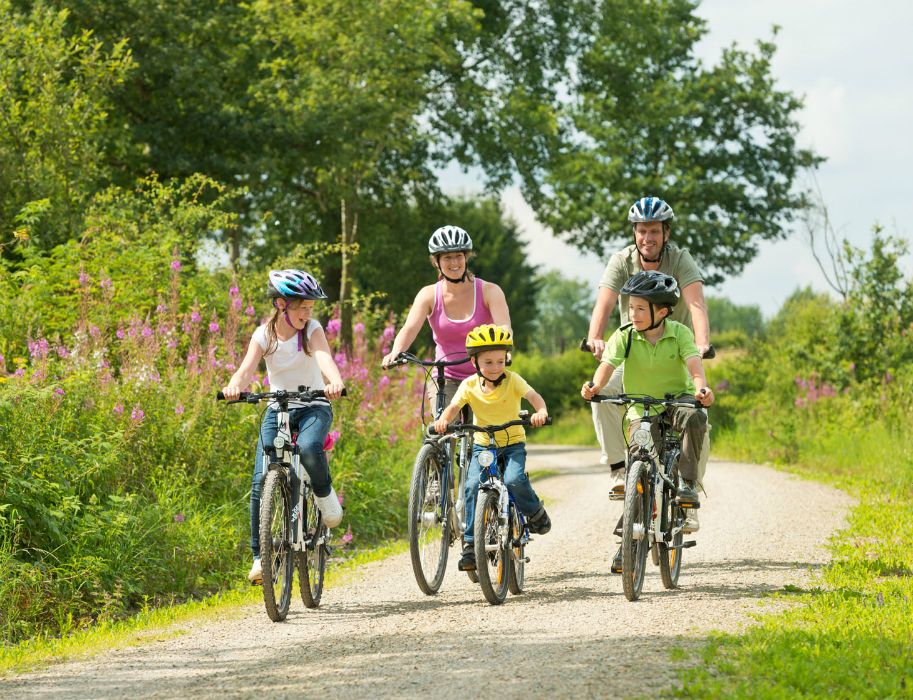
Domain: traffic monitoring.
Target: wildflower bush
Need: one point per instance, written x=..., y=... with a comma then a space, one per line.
x=123, y=483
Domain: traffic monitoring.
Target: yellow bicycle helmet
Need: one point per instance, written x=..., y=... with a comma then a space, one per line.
x=488, y=337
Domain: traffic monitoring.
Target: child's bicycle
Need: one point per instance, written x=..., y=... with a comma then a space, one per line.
x=653, y=518
x=499, y=530
x=436, y=507
x=290, y=532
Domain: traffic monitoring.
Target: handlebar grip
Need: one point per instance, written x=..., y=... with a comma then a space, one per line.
x=584, y=345
x=220, y=396
x=709, y=353
x=241, y=397
x=548, y=421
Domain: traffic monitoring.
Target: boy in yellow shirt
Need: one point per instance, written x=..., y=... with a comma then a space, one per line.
x=494, y=394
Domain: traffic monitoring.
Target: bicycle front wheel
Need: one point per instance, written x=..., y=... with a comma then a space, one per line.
x=517, y=553
x=276, y=546
x=492, y=548
x=429, y=520
x=635, y=539
x=670, y=553
x=312, y=560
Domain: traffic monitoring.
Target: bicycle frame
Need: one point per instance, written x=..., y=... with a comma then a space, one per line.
x=492, y=479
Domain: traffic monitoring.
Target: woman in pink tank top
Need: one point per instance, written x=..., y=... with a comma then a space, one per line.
x=456, y=304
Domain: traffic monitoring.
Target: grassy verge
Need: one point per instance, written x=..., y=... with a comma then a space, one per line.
x=573, y=427
x=163, y=622
x=852, y=633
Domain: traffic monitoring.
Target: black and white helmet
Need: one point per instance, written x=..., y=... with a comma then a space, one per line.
x=449, y=239
x=654, y=286
x=293, y=284
x=649, y=209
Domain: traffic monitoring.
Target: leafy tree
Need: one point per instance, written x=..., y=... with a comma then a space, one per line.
x=55, y=97
x=726, y=316
x=647, y=117
x=563, y=313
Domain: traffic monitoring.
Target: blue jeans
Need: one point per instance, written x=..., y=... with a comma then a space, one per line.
x=514, y=478
x=312, y=424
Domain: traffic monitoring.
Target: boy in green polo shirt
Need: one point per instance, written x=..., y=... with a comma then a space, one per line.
x=660, y=358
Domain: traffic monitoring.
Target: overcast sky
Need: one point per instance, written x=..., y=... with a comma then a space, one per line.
x=852, y=63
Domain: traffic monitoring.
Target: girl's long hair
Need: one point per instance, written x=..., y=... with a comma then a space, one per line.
x=272, y=338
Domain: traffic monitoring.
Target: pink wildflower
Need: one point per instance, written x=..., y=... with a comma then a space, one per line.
x=59, y=391
x=389, y=332
x=178, y=517
x=175, y=264
x=161, y=308
x=333, y=326
x=137, y=414
x=84, y=279
x=147, y=331
x=358, y=328
x=118, y=408
x=62, y=351
x=39, y=348
x=179, y=409
x=346, y=538
x=250, y=311
x=106, y=284
x=234, y=292
x=213, y=327
x=94, y=331
x=195, y=317
x=120, y=333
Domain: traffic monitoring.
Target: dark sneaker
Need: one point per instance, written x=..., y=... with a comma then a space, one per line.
x=468, y=560
x=616, y=562
x=540, y=523
x=687, y=495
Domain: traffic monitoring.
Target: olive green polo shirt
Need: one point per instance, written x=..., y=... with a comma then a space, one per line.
x=654, y=370
x=676, y=262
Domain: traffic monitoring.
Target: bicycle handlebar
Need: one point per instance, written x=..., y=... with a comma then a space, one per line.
x=457, y=427
x=708, y=354
x=303, y=394
x=405, y=358
x=624, y=400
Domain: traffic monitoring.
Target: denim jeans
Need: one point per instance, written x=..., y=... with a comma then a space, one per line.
x=514, y=478
x=312, y=423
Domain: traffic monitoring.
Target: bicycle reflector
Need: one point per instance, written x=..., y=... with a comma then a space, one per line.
x=278, y=442
x=642, y=436
x=486, y=457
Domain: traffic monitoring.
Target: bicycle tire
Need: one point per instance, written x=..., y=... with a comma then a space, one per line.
x=429, y=522
x=312, y=560
x=276, y=546
x=637, y=511
x=670, y=558
x=517, y=578
x=492, y=549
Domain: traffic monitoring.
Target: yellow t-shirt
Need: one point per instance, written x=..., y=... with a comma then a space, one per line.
x=499, y=406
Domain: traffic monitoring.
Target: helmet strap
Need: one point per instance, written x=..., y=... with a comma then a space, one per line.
x=454, y=281
x=299, y=330
x=653, y=322
x=485, y=380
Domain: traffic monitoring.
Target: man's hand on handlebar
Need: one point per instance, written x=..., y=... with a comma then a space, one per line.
x=589, y=390
x=593, y=345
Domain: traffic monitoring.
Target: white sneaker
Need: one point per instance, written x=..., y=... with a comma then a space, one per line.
x=256, y=572
x=691, y=522
x=330, y=510
x=618, y=481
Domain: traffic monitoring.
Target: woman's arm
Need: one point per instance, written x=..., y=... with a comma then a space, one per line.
x=321, y=349
x=494, y=299
x=421, y=309
x=241, y=378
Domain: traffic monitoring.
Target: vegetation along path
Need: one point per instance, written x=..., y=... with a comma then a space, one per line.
x=572, y=634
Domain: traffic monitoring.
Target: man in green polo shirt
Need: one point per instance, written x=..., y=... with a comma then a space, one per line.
x=659, y=357
x=651, y=220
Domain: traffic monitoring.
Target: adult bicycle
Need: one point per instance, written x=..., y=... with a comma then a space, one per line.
x=436, y=504
x=654, y=515
x=292, y=533
x=499, y=529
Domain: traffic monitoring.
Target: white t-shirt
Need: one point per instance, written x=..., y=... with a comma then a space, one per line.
x=288, y=367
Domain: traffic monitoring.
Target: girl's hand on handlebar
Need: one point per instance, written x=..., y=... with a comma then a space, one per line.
x=388, y=358
x=231, y=392
x=705, y=396
x=333, y=390
x=537, y=420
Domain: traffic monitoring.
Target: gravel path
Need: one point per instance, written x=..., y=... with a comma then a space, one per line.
x=572, y=634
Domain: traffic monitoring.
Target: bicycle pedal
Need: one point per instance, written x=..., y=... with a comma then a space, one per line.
x=686, y=504
x=690, y=543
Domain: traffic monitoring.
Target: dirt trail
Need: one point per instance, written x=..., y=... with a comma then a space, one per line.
x=572, y=634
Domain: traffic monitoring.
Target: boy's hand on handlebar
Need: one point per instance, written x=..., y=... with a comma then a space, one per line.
x=440, y=426
x=537, y=420
x=705, y=396
x=588, y=390
x=333, y=390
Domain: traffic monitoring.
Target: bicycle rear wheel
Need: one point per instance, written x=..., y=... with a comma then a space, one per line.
x=670, y=557
x=492, y=548
x=517, y=554
x=312, y=560
x=635, y=540
x=276, y=546
x=429, y=520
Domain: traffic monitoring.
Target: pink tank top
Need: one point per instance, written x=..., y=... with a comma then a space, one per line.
x=450, y=336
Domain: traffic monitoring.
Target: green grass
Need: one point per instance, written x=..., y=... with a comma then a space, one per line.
x=164, y=622
x=573, y=427
x=852, y=633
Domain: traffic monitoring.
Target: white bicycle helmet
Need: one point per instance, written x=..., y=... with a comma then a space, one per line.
x=649, y=209
x=449, y=239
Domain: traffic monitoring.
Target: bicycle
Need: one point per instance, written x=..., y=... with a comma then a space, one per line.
x=290, y=533
x=436, y=513
x=653, y=518
x=499, y=528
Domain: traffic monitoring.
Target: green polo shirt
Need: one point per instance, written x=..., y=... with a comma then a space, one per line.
x=654, y=370
x=676, y=262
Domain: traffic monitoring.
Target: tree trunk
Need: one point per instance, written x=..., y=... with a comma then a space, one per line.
x=349, y=222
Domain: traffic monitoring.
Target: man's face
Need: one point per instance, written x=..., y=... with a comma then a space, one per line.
x=649, y=238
